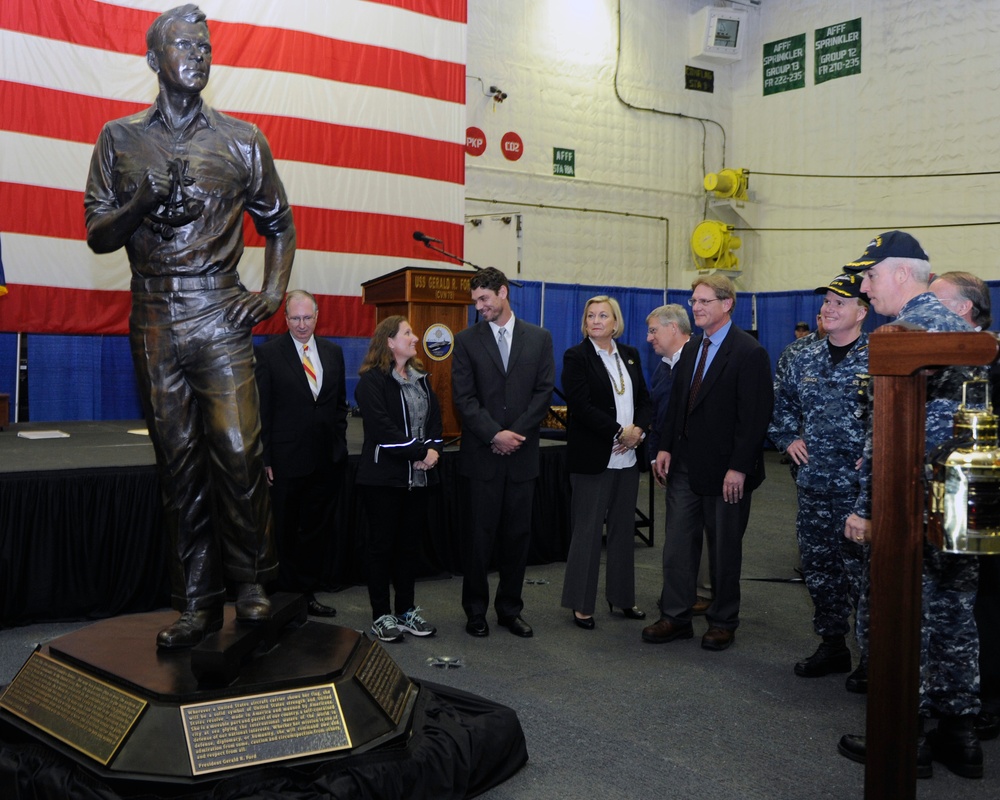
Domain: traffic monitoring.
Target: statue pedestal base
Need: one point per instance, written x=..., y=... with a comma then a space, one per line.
x=107, y=698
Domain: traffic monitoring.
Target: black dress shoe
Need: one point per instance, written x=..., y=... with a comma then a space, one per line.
x=954, y=743
x=517, y=626
x=857, y=681
x=987, y=725
x=665, y=630
x=631, y=613
x=856, y=749
x=252, y=604
x=587, y=623
x=318, y=609
x=477, y=626
x=190, y=628
x=831, y=656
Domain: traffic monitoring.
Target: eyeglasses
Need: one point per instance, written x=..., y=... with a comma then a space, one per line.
x=302, y=320
x=697, y=301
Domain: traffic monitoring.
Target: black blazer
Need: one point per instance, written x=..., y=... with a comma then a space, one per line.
x=488, y=400
x=728, y=423
x=301, y=434
x=591, y=403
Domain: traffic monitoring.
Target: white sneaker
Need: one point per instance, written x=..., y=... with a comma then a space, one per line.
x=386, y=629
x=412, y=622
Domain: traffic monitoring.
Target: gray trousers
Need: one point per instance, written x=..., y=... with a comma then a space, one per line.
x=609, y=495
x=688, y=515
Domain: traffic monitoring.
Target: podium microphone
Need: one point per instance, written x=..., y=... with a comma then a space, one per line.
x=421, y=237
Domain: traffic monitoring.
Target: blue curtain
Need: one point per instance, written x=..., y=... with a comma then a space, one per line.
x=91, y=378
x=64, y=377
x=564, y=313
x=777, y=315
x=8, y=366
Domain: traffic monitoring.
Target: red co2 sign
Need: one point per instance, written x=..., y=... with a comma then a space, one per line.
x=475, y=141
x=511, y=146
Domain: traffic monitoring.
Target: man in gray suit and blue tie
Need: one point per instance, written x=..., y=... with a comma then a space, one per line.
x=502, y=376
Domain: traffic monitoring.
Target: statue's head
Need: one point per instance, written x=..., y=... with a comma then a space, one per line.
x=179, y=49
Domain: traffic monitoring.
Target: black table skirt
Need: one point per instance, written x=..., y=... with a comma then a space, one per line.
x=89, y=543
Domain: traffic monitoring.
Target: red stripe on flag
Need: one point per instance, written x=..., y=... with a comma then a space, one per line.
x=38, y=211
x=63, y=115
x=251, y=46
x=58, y=115
x=454, y=10
x=371, y=234
x=123, y=30
x=71, y=311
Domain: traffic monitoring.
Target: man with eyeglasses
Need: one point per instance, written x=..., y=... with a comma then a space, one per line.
x=969, y=297
x=303, y=418
x=171, y=184
x=711, y=446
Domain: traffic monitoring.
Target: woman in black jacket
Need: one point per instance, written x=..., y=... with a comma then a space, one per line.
x=402, y=422
x=609, y=411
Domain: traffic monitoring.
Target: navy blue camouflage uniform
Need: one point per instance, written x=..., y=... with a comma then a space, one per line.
x=949, y=652
x=826, y=406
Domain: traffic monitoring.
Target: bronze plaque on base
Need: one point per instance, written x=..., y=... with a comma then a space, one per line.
x=384, y=681
x=88, y=714
x=247, y=731
x=296, y=702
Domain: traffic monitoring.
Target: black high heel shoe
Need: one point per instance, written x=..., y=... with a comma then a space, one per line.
x=631, y=613
x=587, y=623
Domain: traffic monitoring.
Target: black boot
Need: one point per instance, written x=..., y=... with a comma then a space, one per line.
x=831, y=656
x=856, y=749
x=857, y=681
x=987, y=725
x=954, y=743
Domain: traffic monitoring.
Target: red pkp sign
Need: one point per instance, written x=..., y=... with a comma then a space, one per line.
x=475, y=141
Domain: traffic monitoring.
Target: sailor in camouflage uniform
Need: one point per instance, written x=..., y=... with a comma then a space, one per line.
x=896, y=274
x=820, y=421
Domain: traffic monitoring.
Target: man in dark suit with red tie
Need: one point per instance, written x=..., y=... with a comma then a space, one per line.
x=502, y=376
x=711, y=454
x=303, y=414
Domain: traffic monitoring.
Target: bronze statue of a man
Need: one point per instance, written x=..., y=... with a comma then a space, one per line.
x=171, y=184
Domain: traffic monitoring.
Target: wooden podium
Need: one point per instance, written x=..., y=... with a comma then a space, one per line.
x=896, y=361
x=436, y=302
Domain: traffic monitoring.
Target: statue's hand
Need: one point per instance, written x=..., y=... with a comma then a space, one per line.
x=154, y=188
x=251, y=308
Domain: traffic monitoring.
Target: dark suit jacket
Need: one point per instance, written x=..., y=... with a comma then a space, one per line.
x=488, y=400
x=301, y=434
x=728, y=423
x=591, y=403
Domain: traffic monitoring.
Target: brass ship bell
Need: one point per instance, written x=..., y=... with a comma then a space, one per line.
x=963, y=496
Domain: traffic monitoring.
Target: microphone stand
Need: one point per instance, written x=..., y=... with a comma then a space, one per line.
x=430, y=246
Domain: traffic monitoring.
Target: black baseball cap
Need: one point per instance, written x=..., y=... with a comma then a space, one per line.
x=892, y=244
x=846, y=285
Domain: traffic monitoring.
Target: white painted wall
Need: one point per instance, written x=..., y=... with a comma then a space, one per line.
x=926, y=102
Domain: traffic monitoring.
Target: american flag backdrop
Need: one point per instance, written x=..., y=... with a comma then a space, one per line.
x=363, y=102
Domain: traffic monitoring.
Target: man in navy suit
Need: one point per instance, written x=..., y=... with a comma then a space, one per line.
x=711, y=452
x=303, y=415
x=502, y=376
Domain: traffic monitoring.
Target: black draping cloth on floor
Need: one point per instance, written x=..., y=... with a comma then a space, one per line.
x=89, y=543
x=461, y=745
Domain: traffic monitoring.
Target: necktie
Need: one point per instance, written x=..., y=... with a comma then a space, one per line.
x=504, y=349
x=699, y=374
x=307, y=365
